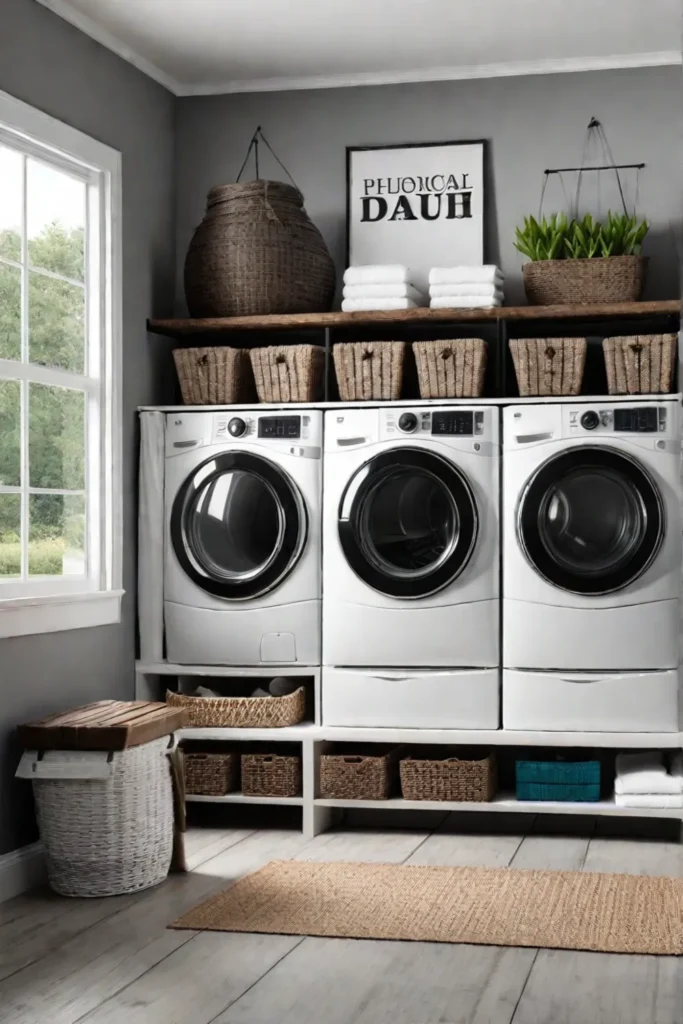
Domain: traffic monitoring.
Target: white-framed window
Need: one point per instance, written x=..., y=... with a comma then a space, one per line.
x=60, y=369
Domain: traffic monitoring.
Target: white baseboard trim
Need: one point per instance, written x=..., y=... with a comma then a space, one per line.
x=21, y=870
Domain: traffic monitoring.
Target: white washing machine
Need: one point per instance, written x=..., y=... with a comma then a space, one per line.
x=411, y=567
x=242, y=553
x=591, y=566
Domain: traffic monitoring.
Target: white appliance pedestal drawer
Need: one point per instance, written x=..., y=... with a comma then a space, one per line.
x=591, y=701
x=411, y=698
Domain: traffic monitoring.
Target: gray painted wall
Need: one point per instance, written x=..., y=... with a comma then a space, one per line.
x=532, y=123
x=49, y=64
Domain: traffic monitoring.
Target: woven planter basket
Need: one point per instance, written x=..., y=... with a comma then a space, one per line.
x=109, y=836
x=571, y=282
x=549, y=366
x=640, y=364
x=448, y=778
x=289, y=373
x=271, y=775
x=369, y=371
x=451, y=369
x=211, y=774
x=358, y=776
x=256, y=252
x=214, y=376
x=242, y=712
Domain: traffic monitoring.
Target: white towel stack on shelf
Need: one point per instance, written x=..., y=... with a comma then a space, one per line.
x=465, y=287
x=386, y=286
x=642, y=780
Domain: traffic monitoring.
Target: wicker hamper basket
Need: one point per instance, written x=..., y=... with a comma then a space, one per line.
x=582, y=281
x=256, y=252
x=435, y=777
x=211, y=774
x=451, y=369
x=242, y=712
x=358, y=774
x=549, y=366
x=369, y=370
x=106, y=836
x=640, y=364
x=214, y=376
x=271, y=775
x=288, y=373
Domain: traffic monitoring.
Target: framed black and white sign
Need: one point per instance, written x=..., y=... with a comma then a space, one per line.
x=421, y=205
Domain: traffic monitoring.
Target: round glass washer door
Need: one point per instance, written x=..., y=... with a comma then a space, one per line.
x=591, y=520
x=238, y=525
x=408, y=522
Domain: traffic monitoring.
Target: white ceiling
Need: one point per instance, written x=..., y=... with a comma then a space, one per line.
x=215, y=46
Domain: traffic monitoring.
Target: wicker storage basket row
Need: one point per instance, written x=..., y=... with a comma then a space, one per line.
x=234, y=376
x=242, y=712
x=261, y=774
x=635, y=364
x=373, y=370
x=363, y=774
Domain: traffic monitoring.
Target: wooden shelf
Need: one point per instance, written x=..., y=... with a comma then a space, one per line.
x=240, y=798
x=310, y=321
x=507, y=802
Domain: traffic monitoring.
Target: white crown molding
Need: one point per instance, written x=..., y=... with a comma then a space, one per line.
x=448, y=74
x=21, y=870
x=347, y=81
x=90, y=28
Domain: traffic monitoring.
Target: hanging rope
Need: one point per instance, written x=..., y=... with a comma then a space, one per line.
x=253, y=145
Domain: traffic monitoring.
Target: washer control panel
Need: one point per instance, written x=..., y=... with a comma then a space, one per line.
x=642, y=419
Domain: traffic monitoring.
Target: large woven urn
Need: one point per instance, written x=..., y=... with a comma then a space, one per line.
x=256, y=252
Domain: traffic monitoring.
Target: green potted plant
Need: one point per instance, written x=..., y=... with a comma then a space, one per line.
x=583, y=261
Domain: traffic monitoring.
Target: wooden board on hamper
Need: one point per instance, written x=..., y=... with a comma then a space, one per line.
x=106, y=725
x=292, y=321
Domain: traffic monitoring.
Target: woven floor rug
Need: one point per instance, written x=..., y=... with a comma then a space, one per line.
x=486, y=906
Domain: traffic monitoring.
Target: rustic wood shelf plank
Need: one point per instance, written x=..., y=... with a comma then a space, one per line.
x=307, y=321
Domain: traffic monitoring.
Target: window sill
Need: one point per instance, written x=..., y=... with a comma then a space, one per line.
x=24, y=616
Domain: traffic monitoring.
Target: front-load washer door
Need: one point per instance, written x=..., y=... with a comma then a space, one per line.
x=590, y=520
x=408, y=522
x=238, y=525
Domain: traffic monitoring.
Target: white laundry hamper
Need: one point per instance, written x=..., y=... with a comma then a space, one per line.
x=106, y=819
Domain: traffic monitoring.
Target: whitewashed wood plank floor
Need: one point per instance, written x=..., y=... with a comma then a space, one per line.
x=115, y=962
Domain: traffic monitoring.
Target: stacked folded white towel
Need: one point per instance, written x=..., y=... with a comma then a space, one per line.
x=643, y=780
x=386, y=286
x=465, y=287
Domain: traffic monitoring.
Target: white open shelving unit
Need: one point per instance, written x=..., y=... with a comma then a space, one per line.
x=315, y=739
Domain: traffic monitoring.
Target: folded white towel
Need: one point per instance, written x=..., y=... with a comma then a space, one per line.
x=485, y=290
x=648, y=782
x=464, y=302
x=649, y=800
x=486, y=274
x=364, y=305
x=386, y=273
x=402, y=290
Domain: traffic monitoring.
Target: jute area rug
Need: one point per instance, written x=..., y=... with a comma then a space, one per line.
x=485, y=906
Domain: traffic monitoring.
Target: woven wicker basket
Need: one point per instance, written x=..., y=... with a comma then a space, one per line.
x=256, y=252
x=271, y=775
x=451, y=369
x=211, y=774
x=448, y=778
x=640, y=364
x=549, y=366
x=214, y=376
x=571, y=282
x=358, y=775
x=289, y=373
x=369, y=371
x=242, y=712
x=109, y=836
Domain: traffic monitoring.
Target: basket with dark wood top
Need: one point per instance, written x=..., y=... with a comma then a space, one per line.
x=106, y=725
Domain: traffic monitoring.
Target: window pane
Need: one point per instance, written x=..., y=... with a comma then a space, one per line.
x=10, y=433
x=56, y=541
x=10, y=311
x=56, y=438
x=10, y=534
x=55, y=220
x=56, y=320
x=10, y=204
